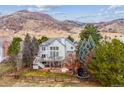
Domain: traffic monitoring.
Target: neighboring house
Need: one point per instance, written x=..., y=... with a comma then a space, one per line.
x=3, y=49
x=53, y=52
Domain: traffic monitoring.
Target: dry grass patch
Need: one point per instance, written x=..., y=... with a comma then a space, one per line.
x=4, y=68
x=38, y=73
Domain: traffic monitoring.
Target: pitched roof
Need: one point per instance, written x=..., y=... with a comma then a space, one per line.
x=61, y=40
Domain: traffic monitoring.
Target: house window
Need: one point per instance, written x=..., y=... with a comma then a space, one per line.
x=57, y=48
x=43, y=48
x=71, y=47
x=51, y=54
x=54, y=54
x=51, y=48
x=43, y=56
x=54, y=48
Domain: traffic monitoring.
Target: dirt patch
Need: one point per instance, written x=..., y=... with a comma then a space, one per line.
x=24, y=83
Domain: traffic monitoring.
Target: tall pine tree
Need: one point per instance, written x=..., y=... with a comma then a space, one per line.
x=26, y=54
x=34, y=49
x=90, y=30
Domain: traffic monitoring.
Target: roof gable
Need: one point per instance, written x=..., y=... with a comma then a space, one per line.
x=60, y=40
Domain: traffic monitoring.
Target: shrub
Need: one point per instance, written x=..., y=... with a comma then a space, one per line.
x=108, y=66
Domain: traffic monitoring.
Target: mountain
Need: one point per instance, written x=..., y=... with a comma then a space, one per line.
x=114, y=26
x=74, y=23
x=26, y=20
x=38, y=24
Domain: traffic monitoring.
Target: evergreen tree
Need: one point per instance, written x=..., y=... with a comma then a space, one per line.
x=108, y=65
x=34, y=49
x=90, y=30
x=42, y=39
x=26, y=54
x=70, y=38
x=13, y=51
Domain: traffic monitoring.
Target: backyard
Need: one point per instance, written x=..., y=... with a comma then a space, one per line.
x=38, y=78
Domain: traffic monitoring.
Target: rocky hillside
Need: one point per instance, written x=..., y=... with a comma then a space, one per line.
x=35, y=21
x=38, y=24
x=114, y=26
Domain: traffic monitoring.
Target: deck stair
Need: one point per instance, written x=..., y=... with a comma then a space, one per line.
x=37, y=63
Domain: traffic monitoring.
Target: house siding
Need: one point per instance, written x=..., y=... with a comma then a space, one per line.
x=65, y=47
x=61, y=49
x=47, y=50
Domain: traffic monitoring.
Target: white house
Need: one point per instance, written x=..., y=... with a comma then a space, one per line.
x=53, y=52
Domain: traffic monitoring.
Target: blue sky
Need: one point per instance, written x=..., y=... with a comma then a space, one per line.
x=83, y=13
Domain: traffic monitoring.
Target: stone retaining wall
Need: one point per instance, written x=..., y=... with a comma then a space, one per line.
x=56, y=79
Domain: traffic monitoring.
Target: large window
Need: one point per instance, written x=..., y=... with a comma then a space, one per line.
x=43, y=48
x=54, y=48
x=57, y=48
x=54, y=54
x=51, y=48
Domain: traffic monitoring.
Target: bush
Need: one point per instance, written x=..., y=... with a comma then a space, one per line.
x=108, y=66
